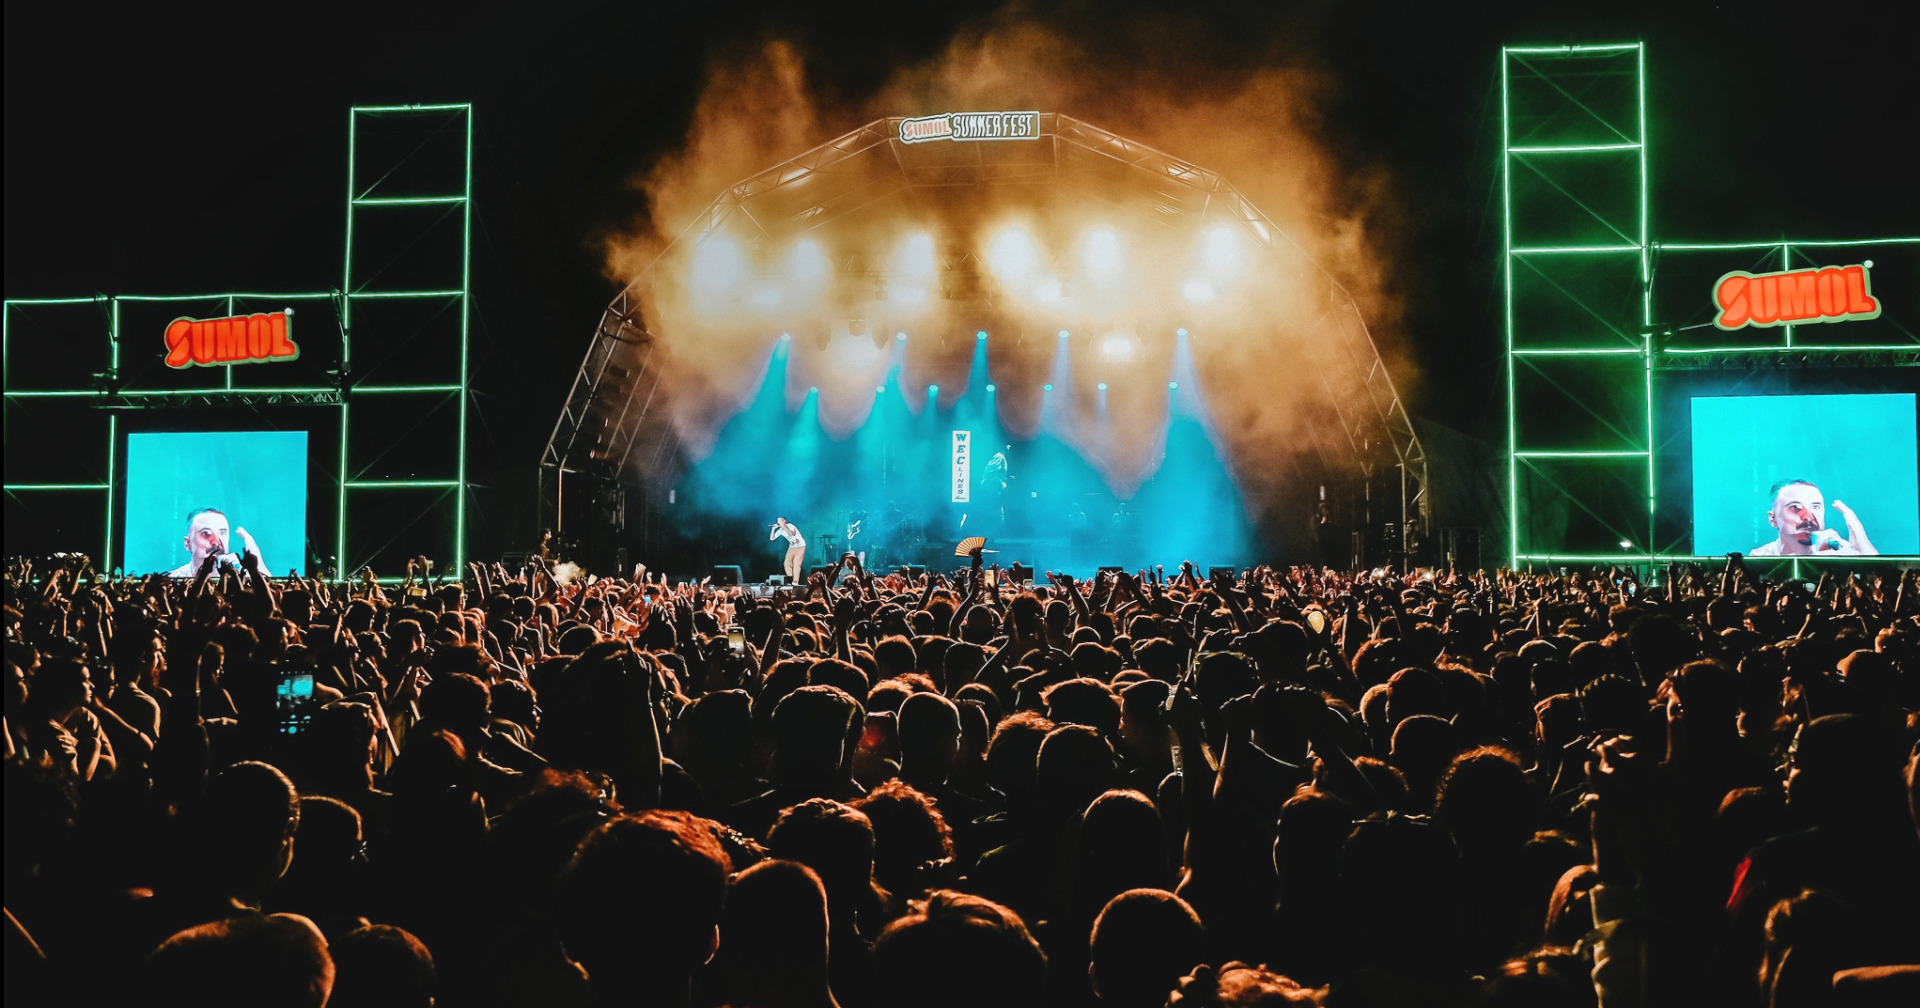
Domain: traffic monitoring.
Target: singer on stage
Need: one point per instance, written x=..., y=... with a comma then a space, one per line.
x=796, y=546
x=1798, y=511
x=207, y=535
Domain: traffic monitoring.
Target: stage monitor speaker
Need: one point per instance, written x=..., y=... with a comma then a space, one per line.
x=726, y=574
x=1216, y=571
x=776, y=579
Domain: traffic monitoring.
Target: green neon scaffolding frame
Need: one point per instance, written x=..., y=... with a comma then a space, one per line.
x=1580, y=332
x=359, y=473
x=1576, y=271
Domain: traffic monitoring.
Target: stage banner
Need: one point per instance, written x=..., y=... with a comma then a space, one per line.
x=962, y=466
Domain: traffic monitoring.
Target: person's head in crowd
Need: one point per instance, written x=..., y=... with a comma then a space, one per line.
x=893, y=656
x=1399, y=878
x=836, y=840
x=243, y=831
x=773, y=938
x=811, y=727
x=1612, y=705
x=1845, y=768
x=1415, y=691
x=381, y=966
x=842, y=675
x=1660, y=644
x=929, y=726
x=1423, y=745
x=1094, y=660
x=1143, y=942
x=1084, y=701
x=1809, y=937
x=1075, y=765
x=1240, y=985
x=1144, y=730
x=713, y=735
x=887, y=696
x=250, y=961
x=577, y=638
x=1122, y=845
x=912, y=843
x=514, y=701
x=325, y=880
x=1159, y=658
x=1013, y=753
x=1312, y=827
x=955, y=950
x=458, y=702
x=1485, y=799
x=638, y=905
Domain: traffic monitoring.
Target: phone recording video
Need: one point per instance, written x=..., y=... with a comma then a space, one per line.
x=736, y=638
x=293, y=702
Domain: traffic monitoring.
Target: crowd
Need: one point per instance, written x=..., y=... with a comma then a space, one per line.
x=878, y=791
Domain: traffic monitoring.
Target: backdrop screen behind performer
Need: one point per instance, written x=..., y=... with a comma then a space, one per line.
x=1849, y=463
x=252, y=480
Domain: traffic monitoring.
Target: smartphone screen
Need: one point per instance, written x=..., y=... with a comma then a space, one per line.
x=293, y=702
x=736, y=637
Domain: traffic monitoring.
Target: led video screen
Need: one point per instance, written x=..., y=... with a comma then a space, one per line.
x=1821, y=475
x=221, y=492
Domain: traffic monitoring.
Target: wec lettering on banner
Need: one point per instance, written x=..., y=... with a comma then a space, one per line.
x=962, y=466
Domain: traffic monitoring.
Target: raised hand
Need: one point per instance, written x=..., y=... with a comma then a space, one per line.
x=1856, y=532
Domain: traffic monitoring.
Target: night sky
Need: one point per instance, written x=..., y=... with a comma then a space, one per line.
x=162, y=151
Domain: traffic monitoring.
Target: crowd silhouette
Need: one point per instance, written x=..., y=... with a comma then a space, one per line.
x=1671, y=786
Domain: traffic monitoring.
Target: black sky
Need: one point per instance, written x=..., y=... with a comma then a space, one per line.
x=159, y=151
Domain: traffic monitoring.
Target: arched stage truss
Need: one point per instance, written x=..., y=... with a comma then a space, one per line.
x=610, y=432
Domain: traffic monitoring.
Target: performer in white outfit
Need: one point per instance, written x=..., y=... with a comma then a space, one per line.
x=796, y=546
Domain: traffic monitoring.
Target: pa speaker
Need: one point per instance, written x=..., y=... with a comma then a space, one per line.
x=726, y=575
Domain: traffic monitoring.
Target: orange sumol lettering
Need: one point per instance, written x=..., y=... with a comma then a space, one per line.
x=179, y=343
x=1732, y=297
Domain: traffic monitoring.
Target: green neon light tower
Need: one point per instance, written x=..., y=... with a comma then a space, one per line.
x=405, y=275
x=1578, y=354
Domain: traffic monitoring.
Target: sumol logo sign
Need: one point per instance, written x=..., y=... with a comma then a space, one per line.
x=971, y=126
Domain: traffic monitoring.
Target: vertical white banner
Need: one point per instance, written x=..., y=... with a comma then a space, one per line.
x=962, y=466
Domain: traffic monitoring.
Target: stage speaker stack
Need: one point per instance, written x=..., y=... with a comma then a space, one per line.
x=728, y=575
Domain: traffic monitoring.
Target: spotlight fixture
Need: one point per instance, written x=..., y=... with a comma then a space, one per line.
x=1102, y=386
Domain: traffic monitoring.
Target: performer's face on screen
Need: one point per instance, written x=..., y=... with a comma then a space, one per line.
x=206, y=533
x=1799, y=512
